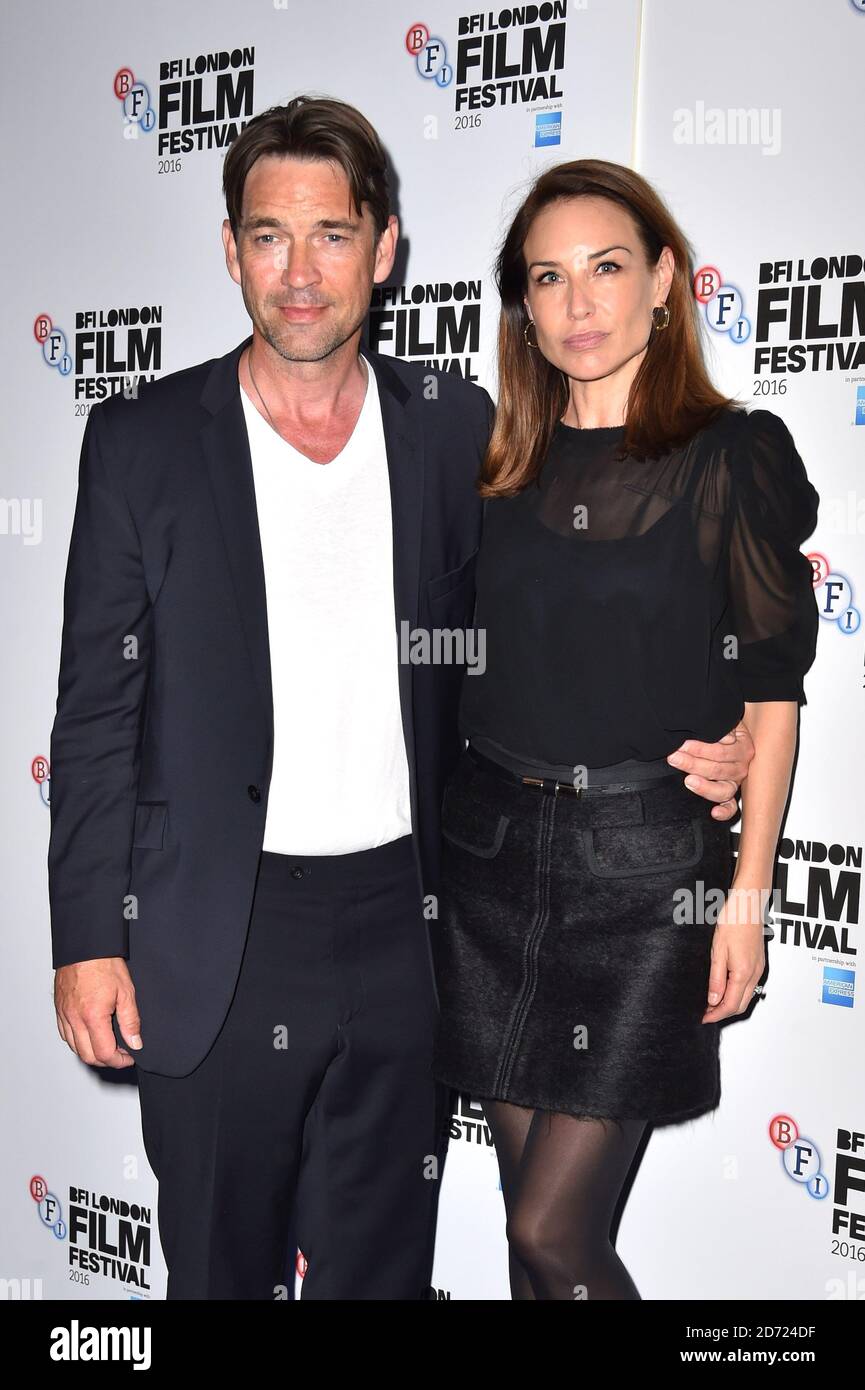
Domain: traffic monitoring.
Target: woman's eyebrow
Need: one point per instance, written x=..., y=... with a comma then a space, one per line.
x=593, y=257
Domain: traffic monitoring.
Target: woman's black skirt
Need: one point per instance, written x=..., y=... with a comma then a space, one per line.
x=572, y=947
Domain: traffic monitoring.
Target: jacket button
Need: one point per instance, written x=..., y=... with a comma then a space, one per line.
x=253, y=793
x=297, y=871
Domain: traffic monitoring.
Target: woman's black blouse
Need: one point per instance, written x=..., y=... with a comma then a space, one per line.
x=630, y=604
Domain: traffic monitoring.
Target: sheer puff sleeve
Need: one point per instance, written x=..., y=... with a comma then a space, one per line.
x=773, y=508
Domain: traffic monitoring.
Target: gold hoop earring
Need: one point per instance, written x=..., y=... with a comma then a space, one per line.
x=662, y=322
x=530, y=324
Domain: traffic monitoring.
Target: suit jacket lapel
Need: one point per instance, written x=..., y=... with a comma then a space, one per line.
x=225, y=443
x=405, y=461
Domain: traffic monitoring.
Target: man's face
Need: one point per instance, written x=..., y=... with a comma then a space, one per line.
x=305, y=260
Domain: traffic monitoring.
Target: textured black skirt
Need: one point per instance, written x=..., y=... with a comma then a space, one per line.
x=570, y=977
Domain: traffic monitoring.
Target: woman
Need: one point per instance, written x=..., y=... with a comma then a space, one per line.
x=639, y=582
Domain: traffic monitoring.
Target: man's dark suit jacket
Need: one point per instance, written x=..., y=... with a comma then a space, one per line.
x=162, y=743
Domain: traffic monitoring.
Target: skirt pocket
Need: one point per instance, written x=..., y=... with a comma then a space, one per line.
x=471, y=823
x=631, y=851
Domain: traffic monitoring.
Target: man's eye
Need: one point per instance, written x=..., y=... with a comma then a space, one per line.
x=264, y=236
x=336, y=235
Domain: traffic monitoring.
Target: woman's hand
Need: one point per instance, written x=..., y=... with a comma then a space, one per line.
x=738, y=953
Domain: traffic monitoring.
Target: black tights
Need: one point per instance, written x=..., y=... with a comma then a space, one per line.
x=561, y=1179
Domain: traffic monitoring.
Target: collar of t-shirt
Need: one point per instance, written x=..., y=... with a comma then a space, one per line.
x=345, y=463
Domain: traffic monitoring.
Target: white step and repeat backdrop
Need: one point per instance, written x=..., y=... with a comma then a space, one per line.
x=116, y=118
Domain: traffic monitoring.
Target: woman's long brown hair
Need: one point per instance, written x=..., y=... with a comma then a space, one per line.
x=671, y=397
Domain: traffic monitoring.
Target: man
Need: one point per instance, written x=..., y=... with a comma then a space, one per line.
x=245, y=779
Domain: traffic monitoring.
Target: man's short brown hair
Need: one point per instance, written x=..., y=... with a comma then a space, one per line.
x=312, y=128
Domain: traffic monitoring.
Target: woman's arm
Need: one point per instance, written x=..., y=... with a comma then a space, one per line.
x=738, y=951
x=772, y=509
x=773, y=725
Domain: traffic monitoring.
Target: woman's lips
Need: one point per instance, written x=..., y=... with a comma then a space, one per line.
x=585, y=340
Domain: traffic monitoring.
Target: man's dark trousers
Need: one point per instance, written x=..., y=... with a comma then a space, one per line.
x=328, y=1040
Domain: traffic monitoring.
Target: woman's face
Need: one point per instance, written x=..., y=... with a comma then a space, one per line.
x=589, y=289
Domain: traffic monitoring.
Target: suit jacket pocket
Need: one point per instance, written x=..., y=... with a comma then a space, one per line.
x=150, y=822
x=454, y=579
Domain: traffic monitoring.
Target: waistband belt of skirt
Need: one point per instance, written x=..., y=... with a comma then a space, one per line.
x=656, y=793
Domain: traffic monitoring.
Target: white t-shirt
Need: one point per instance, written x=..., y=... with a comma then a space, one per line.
x=340, y=779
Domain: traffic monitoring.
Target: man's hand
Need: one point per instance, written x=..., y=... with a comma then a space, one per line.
x=717, y=769
x=86, y=994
